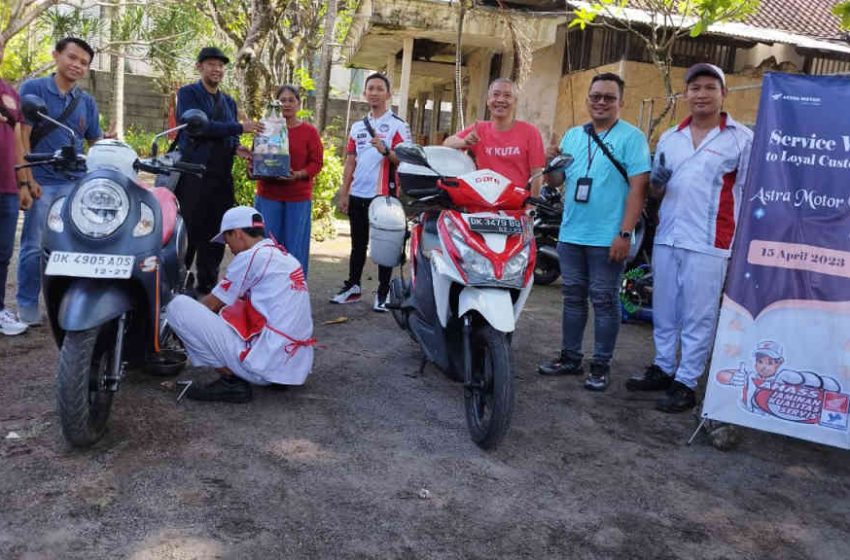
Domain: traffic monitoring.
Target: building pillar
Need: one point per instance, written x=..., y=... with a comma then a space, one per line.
x=406, y=68
x=421, y=101
x=390, y=71
x=436, y=102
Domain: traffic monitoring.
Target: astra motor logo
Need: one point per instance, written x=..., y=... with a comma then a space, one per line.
x=802, y=99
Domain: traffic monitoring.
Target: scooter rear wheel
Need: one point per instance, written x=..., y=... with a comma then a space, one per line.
x=83, y=400
x=490, y=402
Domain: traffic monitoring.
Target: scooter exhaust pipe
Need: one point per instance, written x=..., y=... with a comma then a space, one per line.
x=548, y=251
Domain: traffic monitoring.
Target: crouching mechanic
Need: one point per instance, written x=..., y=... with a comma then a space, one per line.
x=255, y=327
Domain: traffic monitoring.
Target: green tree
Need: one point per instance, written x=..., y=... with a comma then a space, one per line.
x=842, y=10
x=160, y=32
x=659, y=25
x=17, y=15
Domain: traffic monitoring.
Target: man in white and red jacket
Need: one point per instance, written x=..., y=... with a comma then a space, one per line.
x=700, y=169
x=255, y=327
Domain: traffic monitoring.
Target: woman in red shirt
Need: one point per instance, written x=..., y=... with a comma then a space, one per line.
x=286, y=202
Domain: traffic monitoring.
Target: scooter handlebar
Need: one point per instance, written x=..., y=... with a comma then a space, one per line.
x=39, y=157
x=540, y=203
x=193, y=168
x=181, y=167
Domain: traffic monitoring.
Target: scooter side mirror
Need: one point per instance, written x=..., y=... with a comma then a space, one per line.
x=411, y=153
x=196, y=121
x=31, y=106
x=559, y=163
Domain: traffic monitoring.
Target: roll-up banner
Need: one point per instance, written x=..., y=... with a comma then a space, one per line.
x=781, y=359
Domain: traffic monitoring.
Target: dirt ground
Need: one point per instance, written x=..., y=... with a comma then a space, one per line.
x=372, y=460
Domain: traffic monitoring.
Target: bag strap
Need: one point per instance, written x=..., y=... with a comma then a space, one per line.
x=44, y=128
x=391, y=186
x=588, y=128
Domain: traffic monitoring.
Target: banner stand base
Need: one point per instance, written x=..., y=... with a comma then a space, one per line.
x=700, y=427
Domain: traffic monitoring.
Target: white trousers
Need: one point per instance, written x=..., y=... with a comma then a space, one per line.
x=209, y=341
x=686, y=291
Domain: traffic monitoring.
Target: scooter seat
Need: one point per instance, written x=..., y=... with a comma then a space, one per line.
x=168, y=207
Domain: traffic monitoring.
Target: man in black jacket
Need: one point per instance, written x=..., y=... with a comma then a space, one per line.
x=204, y=200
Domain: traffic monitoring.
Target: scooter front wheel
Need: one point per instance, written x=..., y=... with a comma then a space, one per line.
x=83, y=398
x=490, y=400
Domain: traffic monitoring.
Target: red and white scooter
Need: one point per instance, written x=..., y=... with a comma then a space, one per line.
x=472, y=263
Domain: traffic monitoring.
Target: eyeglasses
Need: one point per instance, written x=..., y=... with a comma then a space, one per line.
x=597, y=97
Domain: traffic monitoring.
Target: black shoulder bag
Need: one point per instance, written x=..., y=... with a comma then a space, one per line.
x=43, y=128
x=588, y=128
x=391, y=178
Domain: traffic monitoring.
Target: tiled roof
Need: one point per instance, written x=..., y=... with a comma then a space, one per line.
x=813, y=18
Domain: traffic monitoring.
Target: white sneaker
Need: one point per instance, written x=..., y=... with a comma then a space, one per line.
x=9, y=323
x=350, y=293
x=380, y=306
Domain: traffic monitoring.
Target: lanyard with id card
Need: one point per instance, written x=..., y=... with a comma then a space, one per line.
x=584, y=184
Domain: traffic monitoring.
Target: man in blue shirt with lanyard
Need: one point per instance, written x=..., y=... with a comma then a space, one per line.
x=75, y=108
x=603, y=197
x=204, y=200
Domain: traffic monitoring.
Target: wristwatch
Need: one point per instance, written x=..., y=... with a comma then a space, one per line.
x=22, y=184
x=626, y=234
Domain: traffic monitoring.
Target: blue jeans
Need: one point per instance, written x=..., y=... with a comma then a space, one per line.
x=289, y=222
x=587, y=271
x=29, y=260
x=8, y=224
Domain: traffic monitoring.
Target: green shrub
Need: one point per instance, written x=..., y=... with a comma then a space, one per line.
x=140, y=140
x=325, y=186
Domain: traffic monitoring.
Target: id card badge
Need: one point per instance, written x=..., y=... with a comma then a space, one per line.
x=583, y=189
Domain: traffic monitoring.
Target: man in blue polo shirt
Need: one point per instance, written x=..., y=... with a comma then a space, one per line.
x=603, y=197
x=204, y=200
x=79, y=111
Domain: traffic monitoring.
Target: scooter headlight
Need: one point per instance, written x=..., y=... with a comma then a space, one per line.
x=54, y=215
x=99, y=207
x=475, y=265
x=515, y=267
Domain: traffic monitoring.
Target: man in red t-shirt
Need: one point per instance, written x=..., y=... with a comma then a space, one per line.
x=510, y=147
x=14, y=194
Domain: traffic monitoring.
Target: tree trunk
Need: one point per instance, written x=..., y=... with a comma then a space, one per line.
x=116, y=13
x=323, y=83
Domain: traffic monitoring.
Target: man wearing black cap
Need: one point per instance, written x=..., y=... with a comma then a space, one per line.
x=204, y=200
x=700, y=169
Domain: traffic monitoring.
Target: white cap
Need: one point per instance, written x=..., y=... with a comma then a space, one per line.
x=237, y=218
x=705, y=69
x=769, y=348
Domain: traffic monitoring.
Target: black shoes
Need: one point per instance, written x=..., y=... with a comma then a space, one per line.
x=679, y=398
x=598, y=378
x=560, y=366
x=652, y=379
x=225, y=389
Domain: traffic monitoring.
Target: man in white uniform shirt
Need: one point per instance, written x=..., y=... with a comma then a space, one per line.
x=255, y=327
x=368, y=173
x=700, y=169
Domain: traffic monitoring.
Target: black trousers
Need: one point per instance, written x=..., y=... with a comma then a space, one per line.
x=203, y=201
x=358, y=217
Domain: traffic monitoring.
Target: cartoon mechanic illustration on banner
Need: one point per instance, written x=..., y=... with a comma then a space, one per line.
x=796, y=396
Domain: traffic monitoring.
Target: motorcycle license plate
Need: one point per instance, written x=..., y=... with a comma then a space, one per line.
x=89, y=265
x=481, y=224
